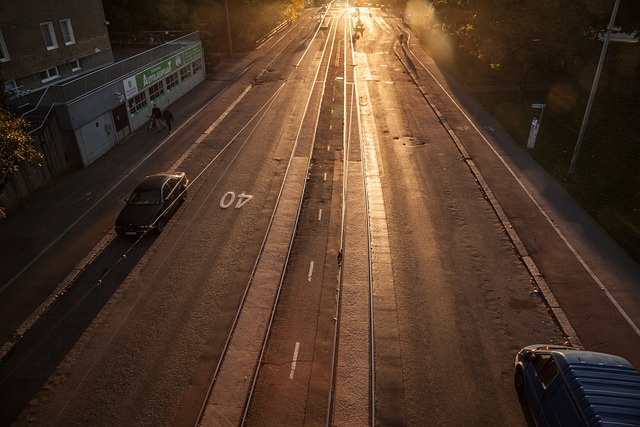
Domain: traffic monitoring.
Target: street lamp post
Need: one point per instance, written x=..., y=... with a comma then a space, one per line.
x=594, y=88
x=226, y=6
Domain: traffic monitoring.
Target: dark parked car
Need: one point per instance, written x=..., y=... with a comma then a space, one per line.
x=565, y=386
x=152, y=203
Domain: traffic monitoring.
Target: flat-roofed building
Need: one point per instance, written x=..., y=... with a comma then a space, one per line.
x=58, y=67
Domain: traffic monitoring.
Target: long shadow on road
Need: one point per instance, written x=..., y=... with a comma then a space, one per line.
x=37, y=354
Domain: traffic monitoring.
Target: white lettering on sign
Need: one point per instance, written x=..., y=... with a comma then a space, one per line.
x=230, y=197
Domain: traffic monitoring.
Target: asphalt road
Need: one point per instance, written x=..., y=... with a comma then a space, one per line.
x=133, y=339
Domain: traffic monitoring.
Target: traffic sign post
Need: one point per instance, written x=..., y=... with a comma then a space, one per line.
x=535, y=125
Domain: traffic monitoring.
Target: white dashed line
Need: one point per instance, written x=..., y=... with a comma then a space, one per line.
x=310, y=271
x=295, y=360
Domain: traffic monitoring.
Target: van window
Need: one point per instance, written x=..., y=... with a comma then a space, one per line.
x=548, y=372
x=539, y=359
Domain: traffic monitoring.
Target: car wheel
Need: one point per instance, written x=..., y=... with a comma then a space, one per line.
x=518, y=380
x=160, y=225
x=183, y=195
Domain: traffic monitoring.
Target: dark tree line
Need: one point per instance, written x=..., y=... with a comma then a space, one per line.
x=249, y=19
x=525, y=35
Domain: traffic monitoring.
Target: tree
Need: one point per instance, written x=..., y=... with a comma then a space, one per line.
x=250, y=19
x=16, y=146
x=520, y=35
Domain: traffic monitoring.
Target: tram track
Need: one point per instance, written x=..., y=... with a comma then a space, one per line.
x=353, y=185
x=353, y=244
x=355, y=160
x=309, y=116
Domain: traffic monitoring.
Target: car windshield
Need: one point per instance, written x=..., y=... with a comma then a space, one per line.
x=145, y=197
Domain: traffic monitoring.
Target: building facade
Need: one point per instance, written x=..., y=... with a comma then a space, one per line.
x=57, y=65
x=44, y=42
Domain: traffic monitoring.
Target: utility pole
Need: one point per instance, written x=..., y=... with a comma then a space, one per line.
x=226, y=6
x=594, y=88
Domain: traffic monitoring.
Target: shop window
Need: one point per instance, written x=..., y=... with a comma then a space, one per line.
x=185, y=73
x=156, y=91
x=137, y=103
x=197, y=65
x=172, y=81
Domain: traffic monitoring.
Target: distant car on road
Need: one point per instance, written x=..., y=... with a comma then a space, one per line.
x=565, y=386
x=152, y=203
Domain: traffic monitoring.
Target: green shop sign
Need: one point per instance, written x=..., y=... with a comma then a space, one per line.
x=150, y=76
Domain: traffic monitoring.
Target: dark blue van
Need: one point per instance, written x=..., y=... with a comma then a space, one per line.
x=567, y=387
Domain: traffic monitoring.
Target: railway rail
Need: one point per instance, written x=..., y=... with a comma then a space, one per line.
x=306, y=131
x=353, y=154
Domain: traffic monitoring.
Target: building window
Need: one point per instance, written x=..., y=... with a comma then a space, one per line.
x=172, y=81
x=49, y=36
x=185, y=73
x=67, y=32
x=50, y=74
x=4, y=52
x=197, y=66
x=11, y=87
x=156, y=91
x=137, y=103
x=75, y=65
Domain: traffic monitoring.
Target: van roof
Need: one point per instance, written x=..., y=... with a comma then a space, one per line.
x=607, y=387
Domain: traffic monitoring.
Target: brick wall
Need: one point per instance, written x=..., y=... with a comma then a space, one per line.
x=20, y=27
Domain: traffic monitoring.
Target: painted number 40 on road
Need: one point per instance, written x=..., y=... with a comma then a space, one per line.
x=229, y=198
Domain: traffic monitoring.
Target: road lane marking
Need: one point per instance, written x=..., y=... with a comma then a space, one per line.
x=310, y=271
x=320, y=215
x=209, y=129
x=295, y=360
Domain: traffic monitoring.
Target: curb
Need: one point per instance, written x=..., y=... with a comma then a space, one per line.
x=62, y=287
x=540, y=283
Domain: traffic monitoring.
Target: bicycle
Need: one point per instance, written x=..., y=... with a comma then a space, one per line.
x=151, y=124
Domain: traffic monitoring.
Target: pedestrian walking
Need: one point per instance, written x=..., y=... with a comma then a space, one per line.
x=156, y=113
x=168, y=118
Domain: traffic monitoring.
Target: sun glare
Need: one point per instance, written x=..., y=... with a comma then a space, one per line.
x=421, y=16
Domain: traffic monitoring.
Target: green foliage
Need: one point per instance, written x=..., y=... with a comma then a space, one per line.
x=607, y=181
x=494, y=47
x=518, y=35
